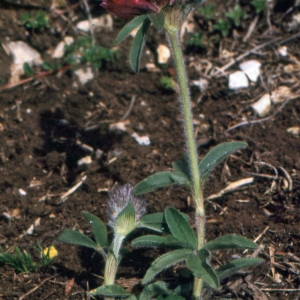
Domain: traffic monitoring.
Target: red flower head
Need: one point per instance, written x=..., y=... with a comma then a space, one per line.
x=132, y=8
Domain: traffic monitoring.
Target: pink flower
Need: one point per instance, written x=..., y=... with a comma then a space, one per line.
x=132, y=8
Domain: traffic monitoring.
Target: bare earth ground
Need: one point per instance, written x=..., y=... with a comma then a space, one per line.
x=45, y=122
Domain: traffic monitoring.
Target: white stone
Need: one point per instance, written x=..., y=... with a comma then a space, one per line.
x=202, y=83
x=142, y=140
x=238, y=80
x=164, y=53
x=22, y=192
x=262, y=106
x=104, y=21
x=23, y=53
x=84, y=75
x=59, y=51
x=251, y=68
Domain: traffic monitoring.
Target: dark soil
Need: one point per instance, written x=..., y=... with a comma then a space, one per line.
x=47, y=124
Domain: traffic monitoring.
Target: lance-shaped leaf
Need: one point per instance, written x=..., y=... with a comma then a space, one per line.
x=153, y=290
x=126, y=30
x=98, y=229
x=154, y=182
x=230, y=241
x=158, y=20
x=112, y=290
x=199, y=265
x=165, y=261
x=154, y=221
x=182, y=166
x=138, y=45
x=235, y=265
x=179, y=227
x=216, y=156
x=160, y=241
x=74, y=237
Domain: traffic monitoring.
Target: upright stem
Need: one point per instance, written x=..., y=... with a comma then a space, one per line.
x=173, y=35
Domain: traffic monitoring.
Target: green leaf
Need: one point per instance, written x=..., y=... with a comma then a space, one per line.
x=112, y=290
x=179, y=227
x=153, y=290
x=98, y=228
x=182, y=166
x=126, y=30
x=138, y=45
x=165, y=261
x=154, y=182
x=154, y=221
x=159, y=241
x=74, y=237
x=199, y=265
x=217, y=155
x=230, y=241
x=180, y=178
x=158, y=20
x=27, y=70
x=235, y=265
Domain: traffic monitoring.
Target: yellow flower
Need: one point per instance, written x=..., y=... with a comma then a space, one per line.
x=51, y=252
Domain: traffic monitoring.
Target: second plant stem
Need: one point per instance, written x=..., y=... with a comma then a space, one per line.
x=173, y=36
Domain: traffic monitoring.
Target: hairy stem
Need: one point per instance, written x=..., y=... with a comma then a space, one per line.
x=173, y=35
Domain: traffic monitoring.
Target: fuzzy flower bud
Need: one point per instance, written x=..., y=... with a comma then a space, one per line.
x=119, y=198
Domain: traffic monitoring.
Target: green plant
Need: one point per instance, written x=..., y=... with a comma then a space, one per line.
x=196, y=40
x=186, y=244
x=207, y=11
x=223, y=26
x=167, y=83
x=22, y=261
x=39, y=21
x=237, y=15
x=259, y=5
x=83, y=51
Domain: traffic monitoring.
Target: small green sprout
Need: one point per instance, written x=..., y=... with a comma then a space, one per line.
x=167, y=83
x=21, y=261
x=237, y=15
x=83, y=51
x=223, y=26
x=207, y=11
x=196, y=40
x=37, y=21
x=259, y=5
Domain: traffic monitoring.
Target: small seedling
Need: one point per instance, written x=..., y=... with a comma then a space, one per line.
x=83, y=51
x=237, y=15
x=22, y=261
x=196, y=40
x=223, y=26
x=37, y=21
x=259, y=5
x=207, y=11
x=167, y=83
